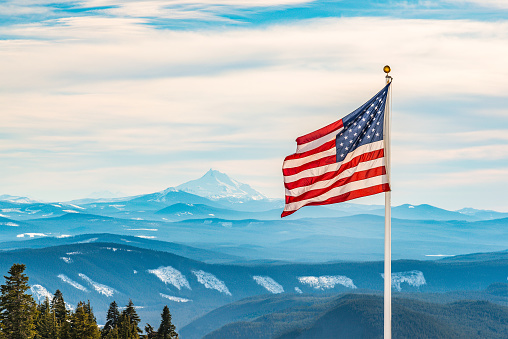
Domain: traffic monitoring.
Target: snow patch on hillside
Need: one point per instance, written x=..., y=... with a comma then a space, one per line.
x=412, y=278
x=73, y=253
x=41, y=293
x=9, y=224
x=297, y=290
x=212, y=282
x=100, y=288
x=71, y=282
x=70, y=211
x=269, y=284
x=170, y=275
x=67, y=260
x=326, y=282
x=177, y=299
x=31, y=235
x=87, y=241
x=146, y=236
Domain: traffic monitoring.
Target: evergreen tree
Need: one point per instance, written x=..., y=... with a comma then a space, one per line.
x=61, y=315
x=166, y=329
x=113, y=334
x=150, y=333
x=126, y=328
x=112, y=319
x=58, y=305
x=130, y=312
x=17, y=309
x=46, y=325
x=83, y=324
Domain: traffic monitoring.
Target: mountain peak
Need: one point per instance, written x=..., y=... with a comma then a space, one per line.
x=216, y=185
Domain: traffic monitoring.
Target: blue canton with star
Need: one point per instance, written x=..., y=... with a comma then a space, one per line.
x=363, y=126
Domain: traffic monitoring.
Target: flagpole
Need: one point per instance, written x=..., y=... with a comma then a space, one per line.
x=388, y=218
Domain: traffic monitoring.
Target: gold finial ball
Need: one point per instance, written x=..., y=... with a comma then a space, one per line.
x=387, y=69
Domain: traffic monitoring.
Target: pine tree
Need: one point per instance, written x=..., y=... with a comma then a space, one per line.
x=83, y=324
x=58, y=305
x=166, y=329
x=61, y=315
x=112, y=319
x=150, y=333
x=130, y=312
x=17, y=309
x=126, y=328
x=46, y=325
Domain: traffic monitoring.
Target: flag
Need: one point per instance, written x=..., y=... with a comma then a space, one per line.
x=342, y=161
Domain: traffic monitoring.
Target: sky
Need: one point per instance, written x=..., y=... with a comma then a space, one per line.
x=133, y=97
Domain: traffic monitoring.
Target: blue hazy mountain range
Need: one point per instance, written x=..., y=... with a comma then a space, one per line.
x=358, y=237
x=105, y=271
x=217, y=190
x=234, y=220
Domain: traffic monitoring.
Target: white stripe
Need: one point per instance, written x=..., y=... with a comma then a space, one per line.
x=316, y=171
x=353, y=186
x=318, y=142
x=347, y=173
x=302, y=161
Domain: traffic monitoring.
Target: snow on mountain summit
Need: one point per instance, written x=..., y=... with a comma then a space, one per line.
x=217, y=185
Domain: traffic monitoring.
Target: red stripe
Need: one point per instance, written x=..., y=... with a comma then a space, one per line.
x=319, y=133
x=360, y=175
x=330, y=175
x=347, y=196
x=312, y=164
x=324, y=147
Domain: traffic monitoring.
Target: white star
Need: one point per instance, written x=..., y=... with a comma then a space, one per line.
x=368, y=136
x=355, y=134
x=341, y=144
x=354, y=124
x=377, y=134
x=350, y=141
x=372, y=115
x=359, y=126
x=377, y=123
x=371, y=105
x=345, y=138
x=346, y=148
x=363, y=119
x=373, y=130
x=342, y=155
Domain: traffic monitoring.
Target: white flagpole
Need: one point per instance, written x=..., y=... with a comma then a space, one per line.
x=388, y=219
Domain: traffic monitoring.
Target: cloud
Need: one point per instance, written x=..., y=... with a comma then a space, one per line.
x=109, y=98
x=501, y=4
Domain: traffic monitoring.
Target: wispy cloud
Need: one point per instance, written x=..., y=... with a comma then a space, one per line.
x=113, y=100
x=502, y=4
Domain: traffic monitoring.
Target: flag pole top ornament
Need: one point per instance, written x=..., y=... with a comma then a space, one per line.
x=387, y=70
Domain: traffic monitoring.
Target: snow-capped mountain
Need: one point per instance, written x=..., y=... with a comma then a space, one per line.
x=17, y=199
x=216, y=185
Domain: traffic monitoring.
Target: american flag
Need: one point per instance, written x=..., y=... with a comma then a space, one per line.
x=342, y=161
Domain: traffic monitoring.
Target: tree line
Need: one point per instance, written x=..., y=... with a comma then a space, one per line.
x=22, y=318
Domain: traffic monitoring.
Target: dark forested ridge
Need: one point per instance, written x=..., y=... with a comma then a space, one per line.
x=104, y=271
x=361, y=316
